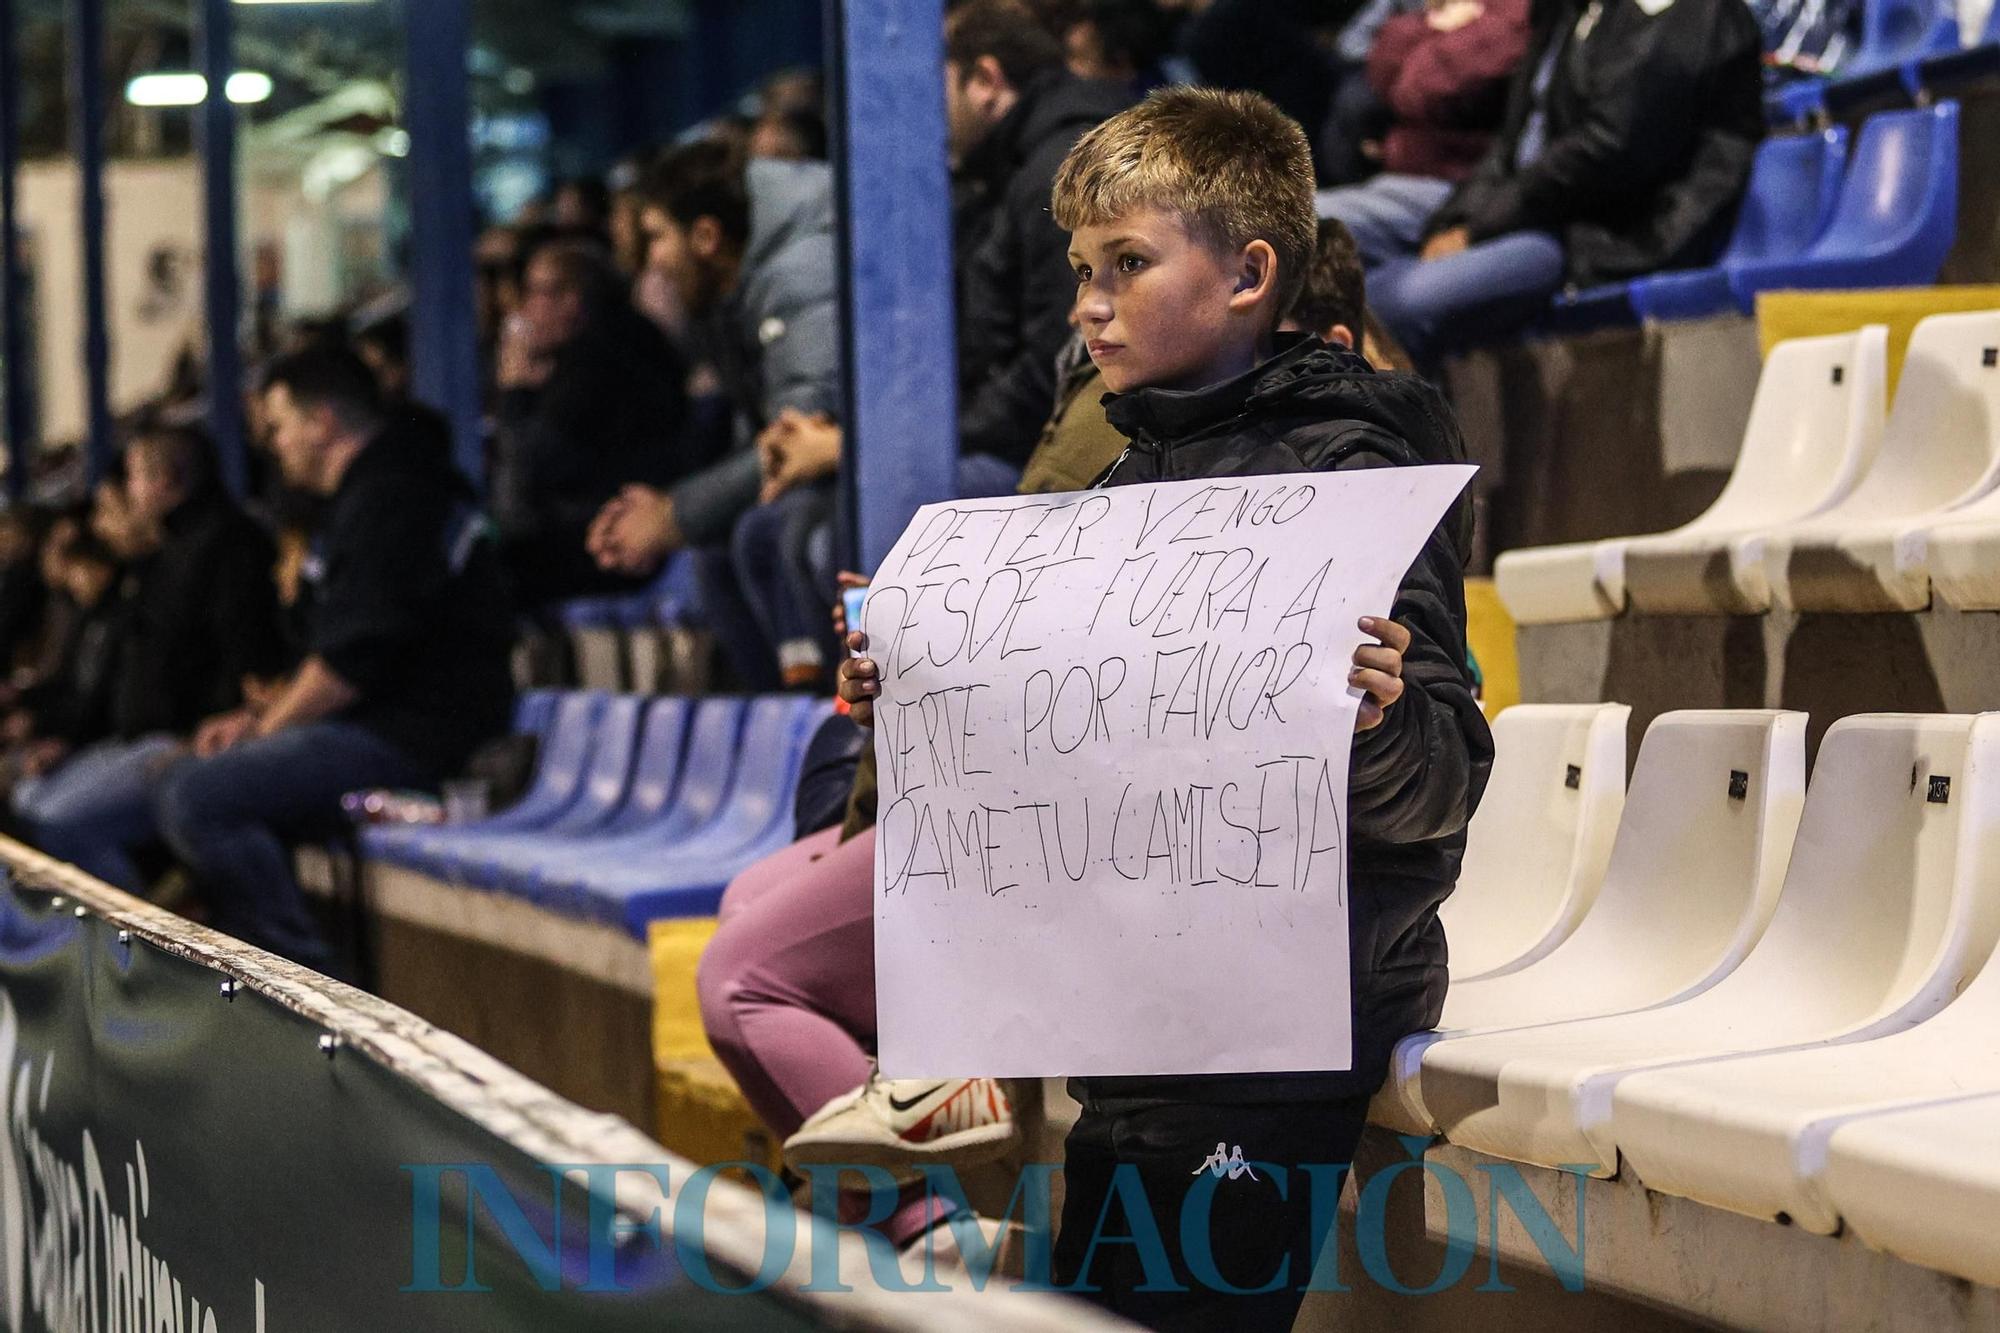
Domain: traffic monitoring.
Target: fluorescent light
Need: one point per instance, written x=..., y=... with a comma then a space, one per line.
x=246, y=86
x=167, y=90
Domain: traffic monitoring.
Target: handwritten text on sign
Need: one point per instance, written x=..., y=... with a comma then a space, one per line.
x=1112, y=744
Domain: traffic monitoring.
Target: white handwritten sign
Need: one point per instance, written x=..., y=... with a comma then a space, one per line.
x=1112, y=744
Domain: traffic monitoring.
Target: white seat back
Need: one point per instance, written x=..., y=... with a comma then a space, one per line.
x=1700, y=856
x=1536, y=853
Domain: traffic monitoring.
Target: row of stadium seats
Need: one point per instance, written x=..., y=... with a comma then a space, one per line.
x=638, y=641
x=1778, y=1000
x=1812, y=218
x=1830, y=507
x=640, y=809
x=1910, y=48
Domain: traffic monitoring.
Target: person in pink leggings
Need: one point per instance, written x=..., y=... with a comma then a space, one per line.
x=787, y=991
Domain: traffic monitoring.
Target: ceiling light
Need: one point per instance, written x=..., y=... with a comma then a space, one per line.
x=180, y=88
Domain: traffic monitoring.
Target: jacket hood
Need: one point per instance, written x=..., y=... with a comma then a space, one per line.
x=789, y=201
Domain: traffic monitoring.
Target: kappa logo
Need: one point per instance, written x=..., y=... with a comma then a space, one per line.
x=1226, y=1159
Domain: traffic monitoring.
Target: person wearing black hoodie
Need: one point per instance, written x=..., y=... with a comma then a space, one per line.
x=406, y=671
x=199, y=615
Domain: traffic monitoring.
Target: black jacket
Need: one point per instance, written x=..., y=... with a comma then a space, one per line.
x=202, y=613
x=1415, y=780
x=1653, y=118
x=409, y=605
x=74, y=703
x=1015, y=283
x=609, y=414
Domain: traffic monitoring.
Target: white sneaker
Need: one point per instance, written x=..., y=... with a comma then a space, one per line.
x=905, y=1122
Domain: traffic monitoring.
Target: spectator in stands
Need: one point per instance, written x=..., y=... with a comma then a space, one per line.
x=1626, y=143
x=72, y=705
x=407, y=671
x=790, y=134
x=1013, y=111
x=592, y=397
x=23, y=595
x=581, y=204
x=1191, y=222
x=199, y=618
x=385, y=345
x=1441, y=74
x=751, y=252
x=1117, y=41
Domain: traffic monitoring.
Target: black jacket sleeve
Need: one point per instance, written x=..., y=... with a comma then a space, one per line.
x=242, y=620
x=1419, y=774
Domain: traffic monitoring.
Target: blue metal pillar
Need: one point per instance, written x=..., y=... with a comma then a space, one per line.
x=13, y=326
x=215, y=129
x=887, y=63
x=437, y=112
x=86, y=111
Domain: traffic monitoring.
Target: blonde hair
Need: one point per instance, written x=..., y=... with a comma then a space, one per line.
x=1230, y=165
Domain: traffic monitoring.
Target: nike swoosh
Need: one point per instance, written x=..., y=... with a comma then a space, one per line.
x=898, y=1105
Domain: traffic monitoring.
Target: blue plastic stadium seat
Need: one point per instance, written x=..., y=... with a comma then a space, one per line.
x=1602, y=307
x=1795, y=103
x=533, y=711
x=1896, y=37
x=558, y=779
x=1897, y=216
x=472, y=853
x=645, y=798
x=686, y=876
x=671, y=799
x=1952, y=69
x=590, y=612
x=1794, y=187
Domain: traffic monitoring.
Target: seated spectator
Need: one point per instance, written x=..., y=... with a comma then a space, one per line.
x=385, y=345
x=751, y=252
x=1118, y=41
x=72, y=706
x=1627, y=140
x=592, y=397
x=1441, y=74
x=200, y=618
x=23, y=595
x=1013, y=111
x=407, y=669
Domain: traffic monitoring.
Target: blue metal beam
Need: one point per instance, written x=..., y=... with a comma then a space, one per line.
x=887, y=62
x=215, y=131
x=437, y=112
x=86, y=111
x=14, y=414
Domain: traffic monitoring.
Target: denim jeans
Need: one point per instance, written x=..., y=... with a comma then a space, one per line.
x=93, y=809
x=1488, y=289
x=230, y=819
x=788, y=595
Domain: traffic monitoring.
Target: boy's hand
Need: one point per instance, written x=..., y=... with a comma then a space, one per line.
x=859, y=683
x=1378, y=669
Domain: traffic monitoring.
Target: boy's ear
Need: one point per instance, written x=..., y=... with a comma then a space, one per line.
x=1256, y=276
x=1341, y=336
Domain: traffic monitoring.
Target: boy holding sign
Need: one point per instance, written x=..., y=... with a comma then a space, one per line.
x=1191, y=220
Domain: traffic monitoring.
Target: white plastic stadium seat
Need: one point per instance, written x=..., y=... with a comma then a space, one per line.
x=1695, y=871
x=1965, y=548
x=1536, y=853
x=1881, y=921
x=1940, y=452
x=1813, y=430
x=1924, y=1185
x=1751, y=1134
